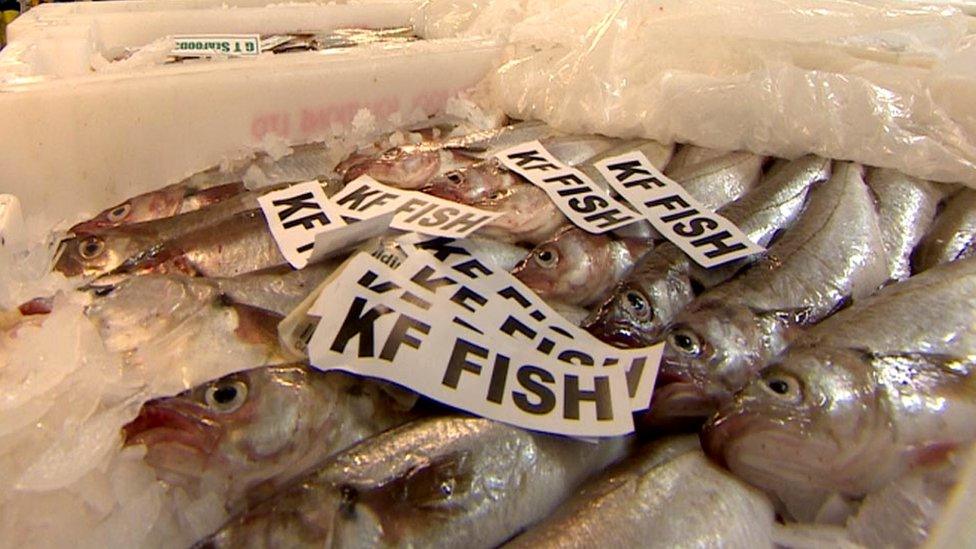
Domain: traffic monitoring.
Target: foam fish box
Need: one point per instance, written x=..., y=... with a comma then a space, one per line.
x=78, y=136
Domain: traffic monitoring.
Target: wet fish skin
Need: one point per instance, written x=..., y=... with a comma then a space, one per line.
x=952, y=235
x=442, y=482
x=907, y=206
x=690, y=155
x=576, y=267
x=665, y=279
x=278, y=290
x=879, y=389
x=666, y=495
x=258, y=429
x=720, y=180
x=719, y=342
x=528, y=216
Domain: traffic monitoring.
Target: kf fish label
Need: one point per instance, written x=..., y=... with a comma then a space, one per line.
x=232, y=45
x=708, y=238
x=448, y=326
x=296, y=215
x=365, y=198
x=576, y=195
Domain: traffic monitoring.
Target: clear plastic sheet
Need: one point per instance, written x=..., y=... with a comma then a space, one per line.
x=884, y=84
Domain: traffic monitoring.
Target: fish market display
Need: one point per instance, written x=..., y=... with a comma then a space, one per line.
x=251, y=432
x=665, y=280
x=907, y=206
x=666, y=495
x=831, y=369
x=953, y=234
x=444, y=482
x=577, y=267
x=869, y=394
x=718, y=343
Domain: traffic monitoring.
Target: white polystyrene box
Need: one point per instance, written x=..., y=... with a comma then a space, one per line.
x=78, y=138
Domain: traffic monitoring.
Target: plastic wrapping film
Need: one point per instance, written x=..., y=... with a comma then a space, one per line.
x=884, y=84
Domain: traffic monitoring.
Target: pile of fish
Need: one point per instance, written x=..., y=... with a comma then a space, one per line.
x=809, y=379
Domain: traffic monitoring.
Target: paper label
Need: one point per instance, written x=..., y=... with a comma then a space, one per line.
x=206, y=45
x=365, y=197
x=707, y=237
x=297, y=214
x=587, y=205
x=446, y=325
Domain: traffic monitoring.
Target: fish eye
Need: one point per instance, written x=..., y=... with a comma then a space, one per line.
x=455, y=177
x=91, y=247
x=685, y=341
x=226, y=396
x=635, y=303
x=782, y=386
x=497, y=195
x=119, y=212
x=546, y=258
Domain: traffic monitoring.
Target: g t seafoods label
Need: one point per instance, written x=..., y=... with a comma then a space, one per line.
x=576, y=195
x=297, y=214
x=708, y=238
x=199, y=45
x=463, y=334
x=365, y=197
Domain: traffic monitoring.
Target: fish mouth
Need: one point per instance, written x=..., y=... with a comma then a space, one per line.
x=618, y=334
x=161, y=422
x=720, y=433
x=677, y=398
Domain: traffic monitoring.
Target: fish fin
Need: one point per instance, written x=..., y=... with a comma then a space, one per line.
x=255, y=325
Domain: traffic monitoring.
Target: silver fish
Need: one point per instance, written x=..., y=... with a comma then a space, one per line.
x=877, y=390
x=666, y=279
x=667, y=495
x=576, y=267
x=719, y=342
x=907, y=206
x=690, y=155
x=256, y=430
x=528, y=215
x=438, y=482
x=718, y=181
x=277, y=290
x=952, y=235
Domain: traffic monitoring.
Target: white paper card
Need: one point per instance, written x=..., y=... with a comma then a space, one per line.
x=587, y=205
x=707, y=237
x=207, y=45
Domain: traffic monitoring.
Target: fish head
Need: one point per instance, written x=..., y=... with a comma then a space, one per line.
x=401, y=167
x=95, y=254
x=144, y=207
x=560, y=265
x=247, y=427
x=711, y=350
x=471, y=184
x=814, y=420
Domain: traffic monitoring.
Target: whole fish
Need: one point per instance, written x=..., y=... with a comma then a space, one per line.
x=952, y=235
x=576, y=267
x=437, y=482
x=667, y=495
x=256, y=430
x=528, y=215
x=413, y=166
x=719, y=342
x=877, y=390
x=907, y=207
x=690, y=155
x=718, y=181
x=665, y=279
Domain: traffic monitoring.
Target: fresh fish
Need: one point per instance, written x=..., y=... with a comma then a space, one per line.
x=665, y=279
x=413, y=166
x=907, y=207
x=277, y=290
x=256, y=430
x=438, y=482
x=488, y=179
x=877, y=390
x=178, y=311
x=718, y=181
x=952, y=235
x=691, y=155
x=166, y=202
x=528, y=215
x=495, y=254
x=719, y=342
x=577, y=267
x=667, y=495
